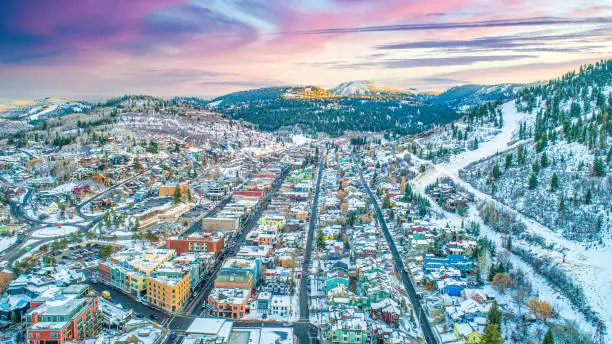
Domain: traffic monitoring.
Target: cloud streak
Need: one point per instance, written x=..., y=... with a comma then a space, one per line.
x=426, y=62
x=540, y=21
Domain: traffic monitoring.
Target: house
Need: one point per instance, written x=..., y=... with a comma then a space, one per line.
x=457, y=261
x=280, y=306
x=467, y=334
x=349, y=331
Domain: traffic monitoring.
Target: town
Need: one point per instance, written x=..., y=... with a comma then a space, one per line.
x=332, y=241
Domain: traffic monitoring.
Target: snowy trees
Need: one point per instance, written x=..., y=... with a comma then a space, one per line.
x=508, y=161
x=492, y=333
x=542, y=309
x=177, y=195
x=554, y=183
x=501, y=282
x=533, y=181
x=548, y=338
x=599, y=167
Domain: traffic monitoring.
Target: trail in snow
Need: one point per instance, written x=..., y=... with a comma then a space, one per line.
x=591, y=268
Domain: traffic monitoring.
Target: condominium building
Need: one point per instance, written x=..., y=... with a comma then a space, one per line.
x=64, y=318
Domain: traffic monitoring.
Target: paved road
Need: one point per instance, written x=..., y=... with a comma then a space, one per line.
x=118, y=296
x=197, y=226
x=203, y=290
x=399, y=264
x=314, y=215
x=303, y=330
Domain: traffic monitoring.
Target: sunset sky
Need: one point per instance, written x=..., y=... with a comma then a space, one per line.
x=100, y=48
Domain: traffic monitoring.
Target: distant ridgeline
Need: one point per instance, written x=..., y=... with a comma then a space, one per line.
x=318, y=110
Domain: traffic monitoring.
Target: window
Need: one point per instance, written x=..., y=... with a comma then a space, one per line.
x=53, y=335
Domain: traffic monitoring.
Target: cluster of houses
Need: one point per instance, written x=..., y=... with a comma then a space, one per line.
x=438, y=256
x=356, y=296
x=448, y=196
x=261, y=282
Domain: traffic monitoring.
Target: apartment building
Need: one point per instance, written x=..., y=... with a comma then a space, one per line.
x=62, y=319
x=200, y=242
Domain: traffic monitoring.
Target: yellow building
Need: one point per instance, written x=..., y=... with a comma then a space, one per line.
x=128, y=269
x=168, y=292
x=276, y=221
x=169, y=190
x=466, y=333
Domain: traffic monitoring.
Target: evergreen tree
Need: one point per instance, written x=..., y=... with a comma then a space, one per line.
x=533, y=181
x=520, y=155
x=407, y=192
x=548, y=338
x=561, y=203
x=386, y=202
x=492, y=335
x=494, y=315
x=554, y=182
x=508, y=161
x=588, y=196
x=544, y=160
x=535, y=168
x=598, y=167
x=177, y=195
x=496, y=172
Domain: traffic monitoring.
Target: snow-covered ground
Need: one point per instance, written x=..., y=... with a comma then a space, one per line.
x=54, y=231
x=589, y=267
x=6, y=242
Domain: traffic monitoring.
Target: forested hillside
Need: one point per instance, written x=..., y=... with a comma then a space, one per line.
x=559, y=175
x=316, y=110
x=465, y=98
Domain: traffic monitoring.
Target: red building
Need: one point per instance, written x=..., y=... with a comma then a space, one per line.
x=68, y=319
x=204, y=242
x=250, y=193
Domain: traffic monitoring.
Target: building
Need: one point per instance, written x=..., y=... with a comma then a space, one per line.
x=348, y=331
x=242, y=265
x=209, y=331
x=234, y=279
x=169, y=190
x=128, y=270
x=60, y=320
x=224, y=224
x=168, y=289
x=280, y=306
x=229, y=302
x=204, y=242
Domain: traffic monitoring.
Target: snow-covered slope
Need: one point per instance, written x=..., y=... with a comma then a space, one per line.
x=588, y=266
x=364, y=87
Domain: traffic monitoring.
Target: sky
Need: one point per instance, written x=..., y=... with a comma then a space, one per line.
x=203, y=48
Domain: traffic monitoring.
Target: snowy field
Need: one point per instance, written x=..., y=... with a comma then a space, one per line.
x=54, y=232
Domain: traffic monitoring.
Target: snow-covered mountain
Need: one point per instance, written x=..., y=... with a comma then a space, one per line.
x=39, y=110
x=467, y=97
x=364, y=87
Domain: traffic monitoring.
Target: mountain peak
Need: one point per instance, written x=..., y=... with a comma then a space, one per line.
x=364, y=87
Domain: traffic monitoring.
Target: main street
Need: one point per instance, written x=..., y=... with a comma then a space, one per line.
x=399, y=264
x=202, y=291
x=303, y=329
